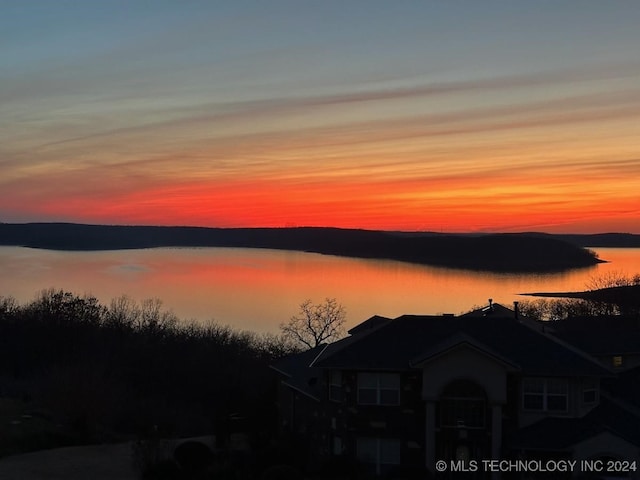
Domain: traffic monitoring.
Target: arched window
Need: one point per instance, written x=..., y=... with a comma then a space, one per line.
x=463, y=404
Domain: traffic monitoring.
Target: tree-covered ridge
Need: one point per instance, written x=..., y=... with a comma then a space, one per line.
x=495, y=252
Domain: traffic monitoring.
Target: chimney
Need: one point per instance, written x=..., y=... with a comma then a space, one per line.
x=516, y=312
x=489, y=309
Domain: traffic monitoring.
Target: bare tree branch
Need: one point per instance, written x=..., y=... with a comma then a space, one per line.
x=316, y=323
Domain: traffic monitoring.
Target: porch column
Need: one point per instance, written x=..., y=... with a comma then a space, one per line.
x=496, y=435
x=430, y=435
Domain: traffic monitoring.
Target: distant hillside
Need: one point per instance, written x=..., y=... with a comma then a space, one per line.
x=604, y=240
x=496, y=252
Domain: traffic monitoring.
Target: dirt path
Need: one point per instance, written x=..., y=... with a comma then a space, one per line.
x=96, y=462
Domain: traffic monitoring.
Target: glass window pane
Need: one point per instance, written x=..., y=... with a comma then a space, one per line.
x=557, y=403
x=390, y=381
x=474, y=414
x=389, y=397
x=533, y=402
x=389, y=451
x=367, y=450
x=533, y=385
x=367, y=380
x=462, y=412
x=558, y=386
x=337, y=446
x=367, y=396
x=447, y=414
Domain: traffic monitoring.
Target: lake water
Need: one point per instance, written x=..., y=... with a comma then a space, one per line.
x=256, y=289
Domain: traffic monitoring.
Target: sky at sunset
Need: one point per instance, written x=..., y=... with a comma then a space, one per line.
x=447, y=116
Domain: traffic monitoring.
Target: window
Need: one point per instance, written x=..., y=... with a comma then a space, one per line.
x=338, y=448
x=463, y=405
x=462, y=412
x=379, y=453
x=617, y=361
x=378, y=388
x=545, y=394
x=335, y=386
x=557, y=395
x=533, y=394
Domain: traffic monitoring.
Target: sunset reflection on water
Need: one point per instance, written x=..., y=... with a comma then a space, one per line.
x=257, y=289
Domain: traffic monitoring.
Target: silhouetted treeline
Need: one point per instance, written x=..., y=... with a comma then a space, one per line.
x=132, y=368
x=604, y=240
x=497, y=252
x=608, y=295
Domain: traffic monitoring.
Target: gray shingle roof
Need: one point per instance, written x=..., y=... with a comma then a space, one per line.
x=396, y=344
x=605, y=335
x=561, y=434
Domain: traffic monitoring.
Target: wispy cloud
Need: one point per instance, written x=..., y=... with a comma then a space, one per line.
x=292, y=159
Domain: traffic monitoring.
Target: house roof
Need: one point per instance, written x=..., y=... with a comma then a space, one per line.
x=625, y=386
x=562, y=433
x=368, y=325
x=298, y=372
x=605, y=335
x=399, y=342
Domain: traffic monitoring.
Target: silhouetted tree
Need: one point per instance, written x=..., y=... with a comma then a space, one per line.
x=316, y=323
x=558, y=308
x=612, y=279
x=273, y=346
x=132, y=366
x=8, y=307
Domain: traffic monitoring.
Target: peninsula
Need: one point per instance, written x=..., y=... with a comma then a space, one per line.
x=491, y=252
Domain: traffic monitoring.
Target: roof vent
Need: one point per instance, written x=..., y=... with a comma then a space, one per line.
x=489, y=309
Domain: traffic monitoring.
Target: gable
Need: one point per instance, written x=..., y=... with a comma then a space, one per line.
x=465, y=361
x=398, y=343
